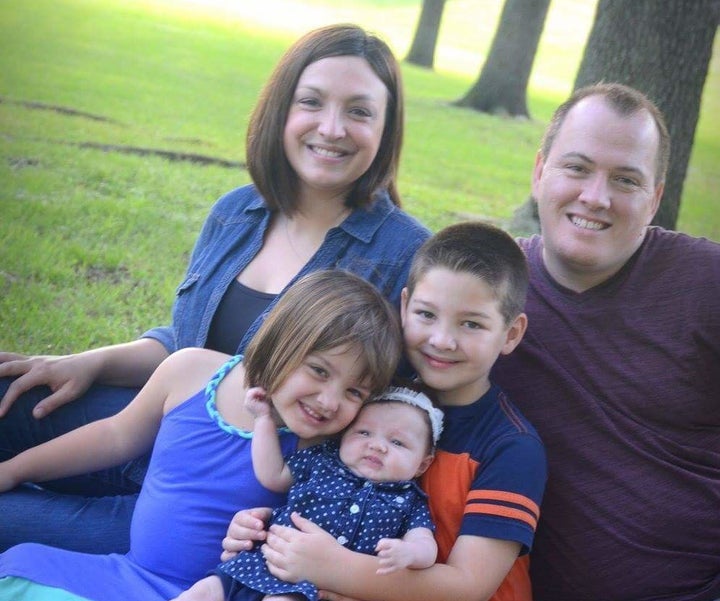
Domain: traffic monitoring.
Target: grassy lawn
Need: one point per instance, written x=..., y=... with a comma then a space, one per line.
x=98, y=219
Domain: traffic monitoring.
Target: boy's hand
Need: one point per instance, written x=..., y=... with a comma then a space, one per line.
x=257, y=402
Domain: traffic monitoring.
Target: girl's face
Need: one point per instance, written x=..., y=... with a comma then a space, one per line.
x=324, y=394
x=335, y=124
x=387, y=442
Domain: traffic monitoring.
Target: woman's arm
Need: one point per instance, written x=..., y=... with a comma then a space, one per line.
x=474, y=570
x=69, y=376
x=268, y=461
x=103, y=443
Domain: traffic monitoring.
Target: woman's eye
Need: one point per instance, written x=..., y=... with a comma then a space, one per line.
x=360, y=112
x=425, y=314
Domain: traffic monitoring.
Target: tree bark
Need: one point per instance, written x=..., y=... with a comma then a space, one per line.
x=422, y=51
x=501, y=87
x=662, y=48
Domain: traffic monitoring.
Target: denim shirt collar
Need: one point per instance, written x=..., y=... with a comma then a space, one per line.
x=361, y=224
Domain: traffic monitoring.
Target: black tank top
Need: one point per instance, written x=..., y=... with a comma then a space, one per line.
x=239, y=307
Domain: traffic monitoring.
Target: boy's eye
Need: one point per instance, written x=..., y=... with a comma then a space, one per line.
x=472, y=325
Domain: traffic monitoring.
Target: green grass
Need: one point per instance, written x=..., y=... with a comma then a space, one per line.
x=93, y=243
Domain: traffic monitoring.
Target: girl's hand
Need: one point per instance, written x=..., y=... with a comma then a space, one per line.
x=246, y=527
x=67, y=376
x=257, y=402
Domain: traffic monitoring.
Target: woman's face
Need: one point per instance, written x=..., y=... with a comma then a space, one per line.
x=335, y=124
x=323, y=395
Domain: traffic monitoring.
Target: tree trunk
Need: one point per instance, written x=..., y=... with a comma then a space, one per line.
x=422, y=51
x=501, y=87
x=662, y=48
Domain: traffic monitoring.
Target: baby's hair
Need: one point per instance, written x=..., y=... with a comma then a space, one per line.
x=483, y=250
x=327, y=309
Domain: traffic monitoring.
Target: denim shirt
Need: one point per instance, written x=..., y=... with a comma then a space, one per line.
x=377, y=243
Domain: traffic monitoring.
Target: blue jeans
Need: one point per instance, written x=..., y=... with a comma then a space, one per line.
x=89, y=513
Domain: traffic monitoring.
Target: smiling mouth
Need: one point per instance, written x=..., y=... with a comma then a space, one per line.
x=587, y=224
x=438, y=362
x=326, y=152
x=312, y=413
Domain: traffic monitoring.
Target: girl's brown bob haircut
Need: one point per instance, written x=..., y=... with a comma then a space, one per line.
x=266, y=160
x=327, y=309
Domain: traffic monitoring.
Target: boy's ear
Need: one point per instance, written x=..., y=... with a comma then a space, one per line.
x=514, y=334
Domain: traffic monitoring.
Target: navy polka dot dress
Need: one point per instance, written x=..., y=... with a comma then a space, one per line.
x=357, y=512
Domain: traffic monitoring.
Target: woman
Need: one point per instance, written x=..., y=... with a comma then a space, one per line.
x=323, y=147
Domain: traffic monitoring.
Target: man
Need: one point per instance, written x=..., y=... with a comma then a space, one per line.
x=619, y=370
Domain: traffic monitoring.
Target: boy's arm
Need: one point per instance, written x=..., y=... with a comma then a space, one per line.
x=100, y=444
x=416, y=550
x=474, y=570
x=268, y=461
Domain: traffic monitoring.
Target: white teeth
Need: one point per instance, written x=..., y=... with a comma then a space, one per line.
x=327, y=153
x=587, y=225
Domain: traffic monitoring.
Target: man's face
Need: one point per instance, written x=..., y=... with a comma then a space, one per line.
x=596, y=192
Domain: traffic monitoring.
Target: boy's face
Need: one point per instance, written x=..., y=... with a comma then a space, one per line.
x=454, y=332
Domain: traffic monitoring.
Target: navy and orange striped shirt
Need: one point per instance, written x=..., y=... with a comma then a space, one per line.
x=488, y=479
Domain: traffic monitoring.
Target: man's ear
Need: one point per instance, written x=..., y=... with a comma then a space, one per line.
x=657, y=198
x=537, y=175
x=514, y=334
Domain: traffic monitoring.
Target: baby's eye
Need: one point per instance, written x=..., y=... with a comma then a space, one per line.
x=397, y=443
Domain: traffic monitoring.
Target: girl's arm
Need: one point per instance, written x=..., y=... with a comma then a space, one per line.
x=474, y=570
x=416, y=550
x=103, y=443
x=268, y=461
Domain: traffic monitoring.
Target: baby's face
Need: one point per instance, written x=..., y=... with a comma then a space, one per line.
x=387, y=442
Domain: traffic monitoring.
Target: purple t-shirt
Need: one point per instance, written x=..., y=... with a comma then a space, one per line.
x=622, y=382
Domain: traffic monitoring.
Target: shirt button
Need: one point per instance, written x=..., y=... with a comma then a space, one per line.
x=399, y=500
x=354, y=508
x=342, y=539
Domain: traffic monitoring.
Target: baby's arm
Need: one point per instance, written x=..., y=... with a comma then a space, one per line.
x=268, y=461
x=417, y=550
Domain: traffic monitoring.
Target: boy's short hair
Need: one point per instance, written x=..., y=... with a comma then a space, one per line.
x=483, y=250
x=325, y=310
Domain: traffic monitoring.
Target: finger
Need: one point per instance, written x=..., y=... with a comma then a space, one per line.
x=303, y=524
x=16, y=388
x=5, y=357
x=57, y=399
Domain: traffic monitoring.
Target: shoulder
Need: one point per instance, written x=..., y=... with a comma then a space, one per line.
x=238, y=201
x=192, y=368
x=385, y=222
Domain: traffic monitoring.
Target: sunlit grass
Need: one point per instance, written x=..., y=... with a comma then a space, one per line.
x=93, y=243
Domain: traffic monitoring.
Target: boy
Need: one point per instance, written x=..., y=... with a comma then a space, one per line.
x=461, y=309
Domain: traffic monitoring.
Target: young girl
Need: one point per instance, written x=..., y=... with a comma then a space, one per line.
x=361, y=491
x=330, y=343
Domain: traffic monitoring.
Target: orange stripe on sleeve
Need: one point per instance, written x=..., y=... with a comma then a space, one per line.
x=502, y=511
x=507, y=497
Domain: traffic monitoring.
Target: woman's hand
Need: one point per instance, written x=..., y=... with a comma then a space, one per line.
x=246, y=527
x=67, y=376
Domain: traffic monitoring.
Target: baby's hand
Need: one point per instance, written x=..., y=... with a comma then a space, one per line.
x=256, y=402
x=393, y=554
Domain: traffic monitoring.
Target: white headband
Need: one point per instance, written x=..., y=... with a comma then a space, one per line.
x=416, y=399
